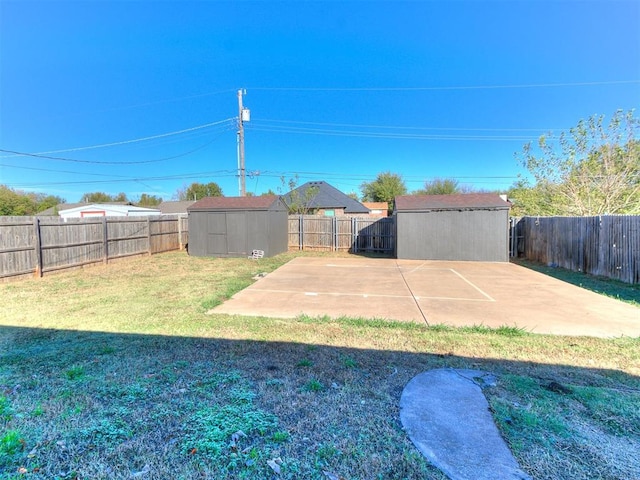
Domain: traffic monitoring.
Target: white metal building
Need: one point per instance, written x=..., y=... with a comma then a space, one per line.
x=107, y=210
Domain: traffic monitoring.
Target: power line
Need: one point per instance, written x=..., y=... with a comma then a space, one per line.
x=406, y=136
x=167, y=100
x=124, y=142
x=357, y=176
x=60, y=171
x=217, y=173
x=100, y=162
x=457, y=87
x=396, y=127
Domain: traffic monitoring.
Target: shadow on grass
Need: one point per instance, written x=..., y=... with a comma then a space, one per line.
x=79, y=404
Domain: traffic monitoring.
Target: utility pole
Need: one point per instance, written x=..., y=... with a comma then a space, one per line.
x=241, y=168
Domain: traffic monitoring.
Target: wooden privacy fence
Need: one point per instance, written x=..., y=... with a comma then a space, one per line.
x=37, y=245
x=352, y=234
x=605, y=245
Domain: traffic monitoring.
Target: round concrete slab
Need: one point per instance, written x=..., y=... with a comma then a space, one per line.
x=447, y=418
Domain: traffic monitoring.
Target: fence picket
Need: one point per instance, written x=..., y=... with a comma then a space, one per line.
x=352, y=234
x=604, y=245
x=38, y=245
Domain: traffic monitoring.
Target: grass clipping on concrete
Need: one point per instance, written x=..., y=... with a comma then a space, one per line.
x=116, y=372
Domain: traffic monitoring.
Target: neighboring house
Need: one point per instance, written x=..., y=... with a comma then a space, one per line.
x=320, y=198
x=172, y=207
x=54, y=211
x=473, y=226
x=377, y=209
x=107, y=210
x=236, y=226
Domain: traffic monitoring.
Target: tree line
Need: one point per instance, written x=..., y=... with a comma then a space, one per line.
x=592, y=169
x=17, y=202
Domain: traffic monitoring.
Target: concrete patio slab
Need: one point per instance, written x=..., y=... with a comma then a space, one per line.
x=434, y=292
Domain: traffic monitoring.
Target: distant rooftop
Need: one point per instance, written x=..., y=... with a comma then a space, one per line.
x=173, y=207
x=53, y=211
x=326, y=196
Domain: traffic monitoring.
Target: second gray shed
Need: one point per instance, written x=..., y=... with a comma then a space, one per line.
x=472, y=226
x=235, y=226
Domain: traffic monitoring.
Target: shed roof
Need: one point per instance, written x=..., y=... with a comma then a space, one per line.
x=262, y=202
x=326, y=196
x=462, y=201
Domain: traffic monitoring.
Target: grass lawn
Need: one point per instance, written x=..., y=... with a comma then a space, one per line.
x=116, y=372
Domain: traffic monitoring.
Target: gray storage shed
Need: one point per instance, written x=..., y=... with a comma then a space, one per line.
x=473, y=226
x=235, y=226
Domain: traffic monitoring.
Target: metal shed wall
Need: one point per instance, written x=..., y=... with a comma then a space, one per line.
x=474, y=234
x=235, y=233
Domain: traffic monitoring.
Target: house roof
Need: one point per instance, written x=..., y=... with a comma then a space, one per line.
x=234, y=203
x=376, y=205
x=463, y=201
x=326, y=196
x=113, y=207
x=171, y=207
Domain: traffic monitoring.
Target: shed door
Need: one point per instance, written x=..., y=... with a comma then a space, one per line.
x=237, y=233
x=216, y=234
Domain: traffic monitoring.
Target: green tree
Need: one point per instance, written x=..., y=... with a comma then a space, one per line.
x=16, y=202
x=44, y=201
x=121, y=197
x=384, y=188
x=96, y=197
x=354, y=195
x=443, y=186
x=299, y=200
x=196, y=191
x=539, y=199
x=593, y=169
x=146, y=200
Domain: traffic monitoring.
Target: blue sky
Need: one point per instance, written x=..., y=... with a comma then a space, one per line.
x=141, y=96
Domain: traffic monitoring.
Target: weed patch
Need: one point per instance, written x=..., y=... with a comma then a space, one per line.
x=6, y=411
x=313, y=385
x=235, y=436
x=305, y=362
x=108, y=431
x=74, y=373
x=11, y=443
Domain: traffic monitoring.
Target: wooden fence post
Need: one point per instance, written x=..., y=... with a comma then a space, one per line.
x=180, y=245
x=38, y=247
x=105, y=241
x=149, y=234
x=334, y=227
x=354, y=234
x=301, y=230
